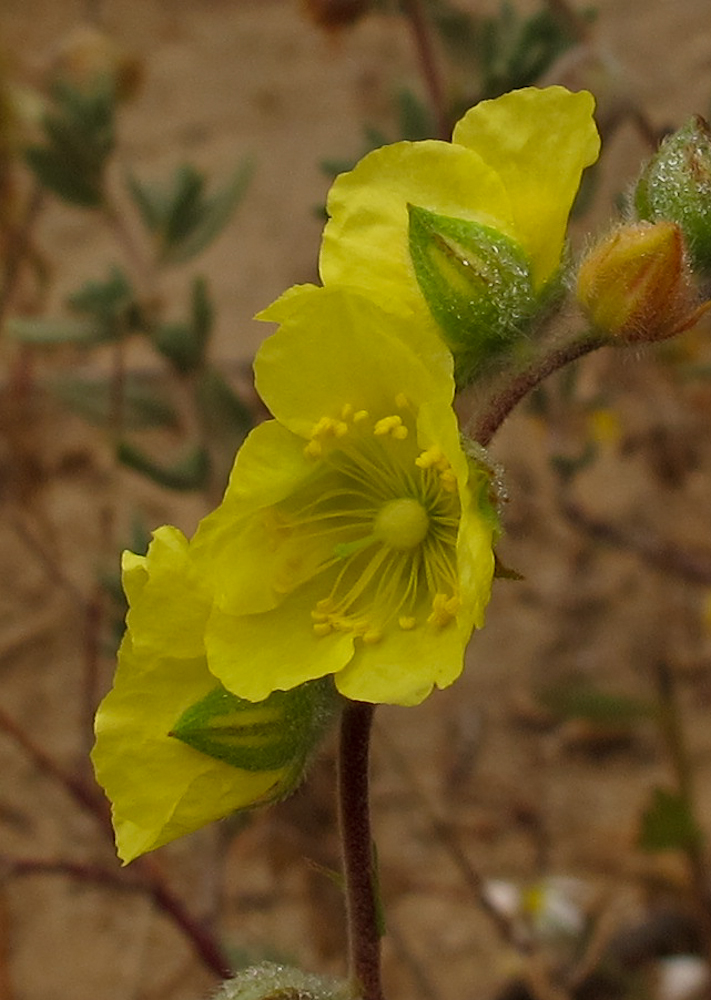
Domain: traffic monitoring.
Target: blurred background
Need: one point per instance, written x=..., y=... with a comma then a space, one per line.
x=541, y=826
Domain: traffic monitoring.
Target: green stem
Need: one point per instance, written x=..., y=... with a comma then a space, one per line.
x=357, y=847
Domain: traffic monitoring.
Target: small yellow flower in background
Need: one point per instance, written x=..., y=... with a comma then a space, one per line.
x=510, y=175
x=355, y=536
x=160, y=787
x=636, y=285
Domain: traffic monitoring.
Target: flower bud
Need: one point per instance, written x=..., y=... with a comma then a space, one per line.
x=269, y=981
x=636, y=285
x=279, y=733
x=477, y=284
x=676, y=186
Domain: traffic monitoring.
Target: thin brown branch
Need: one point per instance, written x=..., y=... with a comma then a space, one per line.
x=693, y=565
x=91, y=801
x=674, y=736
x=429, y=67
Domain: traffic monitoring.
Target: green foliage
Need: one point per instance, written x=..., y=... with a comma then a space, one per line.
x=225, y=417
x=514, y=50
x=37, y=331
x=78, y=140
x=111, y=304
x=190, y=472
x=181, y=216
x=667, y=823
x=185, y=344
x=578, y=700
x=143, y=403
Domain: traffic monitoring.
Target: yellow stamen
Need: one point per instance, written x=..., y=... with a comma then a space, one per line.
x=406, y=623
x=322, y=628
x=401, y=401
x=386, y=425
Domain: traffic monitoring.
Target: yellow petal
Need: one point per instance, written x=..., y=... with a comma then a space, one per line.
x=160, y=788
x=538, y=142
x=167, y=607
x=365, y=243
x=335, y=347
x=253, y=655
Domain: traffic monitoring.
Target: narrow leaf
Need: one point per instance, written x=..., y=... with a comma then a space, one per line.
x=189, y=473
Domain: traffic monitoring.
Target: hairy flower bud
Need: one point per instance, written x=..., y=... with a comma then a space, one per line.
x=477, y=283
x=635, y=285
x=269, y=981
x=278, y=733
x=676, y=186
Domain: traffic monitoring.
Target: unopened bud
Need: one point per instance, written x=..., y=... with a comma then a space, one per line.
x=280, y=733
x=477, y=284
x=636, y=285
x=676, y=186
x=269, y=981
x=88, y=55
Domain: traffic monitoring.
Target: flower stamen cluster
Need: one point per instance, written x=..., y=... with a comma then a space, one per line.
x=383, y=516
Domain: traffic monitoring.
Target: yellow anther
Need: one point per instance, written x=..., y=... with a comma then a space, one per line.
x=340, y=428
x=346, y=412
x=325, y=604
x=372, y=636
x=387, y=425
x=452, y=606
x=314, y=449
x=401, y=401
x=322, y=628
x=427, y=459
x=448, y=480
x=319, y=616
x=359, y=416
x=406, y=623
x=400, y=433
x=443, y=610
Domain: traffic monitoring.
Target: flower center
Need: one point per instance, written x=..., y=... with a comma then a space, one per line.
x=376, y=522
x=401, y=524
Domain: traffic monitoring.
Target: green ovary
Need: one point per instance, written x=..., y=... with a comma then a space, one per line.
x=402, y=524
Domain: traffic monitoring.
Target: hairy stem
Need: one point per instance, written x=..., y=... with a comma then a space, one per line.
x=488, y=422
x=357, y=846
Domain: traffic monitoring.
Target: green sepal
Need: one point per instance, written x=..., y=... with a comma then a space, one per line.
x=279, y=732
x=676, y=187
x=477, y=284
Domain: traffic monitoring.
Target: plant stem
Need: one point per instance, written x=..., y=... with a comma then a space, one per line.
x=675, y=739
x=357, y=847
x=488, y=422
x=428, y=66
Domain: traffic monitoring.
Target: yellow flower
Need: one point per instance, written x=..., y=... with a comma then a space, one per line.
x=355, y=536
x=513, y=166
x=160, y=787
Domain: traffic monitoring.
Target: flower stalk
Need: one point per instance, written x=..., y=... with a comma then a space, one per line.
x=357, y=846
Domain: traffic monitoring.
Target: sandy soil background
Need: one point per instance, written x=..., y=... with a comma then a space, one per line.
x=525, y=795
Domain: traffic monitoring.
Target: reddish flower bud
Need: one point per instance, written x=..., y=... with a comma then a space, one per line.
x=635, y=285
